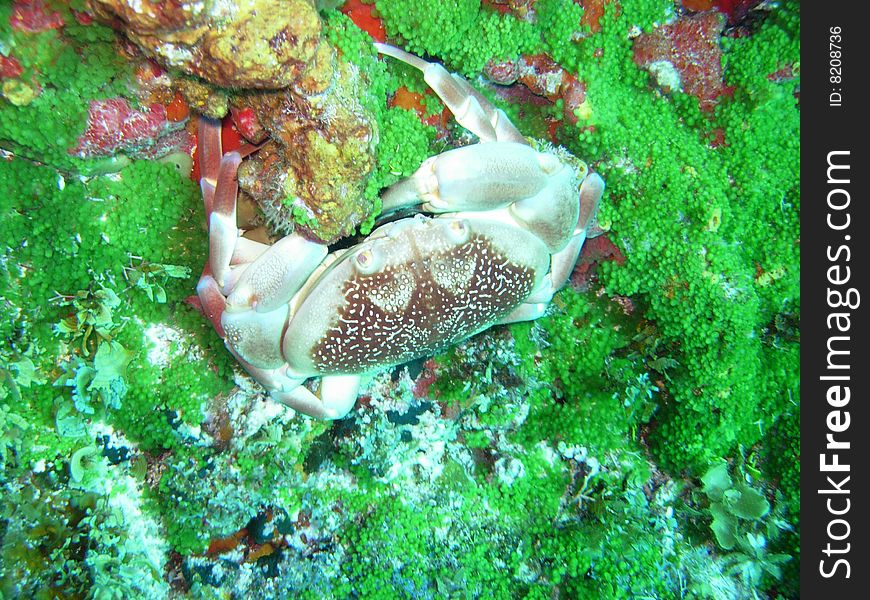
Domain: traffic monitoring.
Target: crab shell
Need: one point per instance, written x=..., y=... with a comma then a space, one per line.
x=419, y=286
x=413, y=287
x=510, y=222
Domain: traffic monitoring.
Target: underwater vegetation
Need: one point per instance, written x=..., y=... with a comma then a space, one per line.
x=640, y=440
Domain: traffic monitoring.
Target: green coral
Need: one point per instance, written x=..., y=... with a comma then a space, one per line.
x=460, y=32
x=78, y=273
x=560, y=23
x=692, y=241
x=404, y=141
x=590, y=387
x=428, y=31
x=521, y=538
x=63, y=70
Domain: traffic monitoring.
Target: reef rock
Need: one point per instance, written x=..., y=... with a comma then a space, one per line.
x=114, y=126
x=685, y=56
x=321, y=150
x=265, y=44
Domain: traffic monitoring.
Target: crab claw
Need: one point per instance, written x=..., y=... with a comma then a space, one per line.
x=476, y=177
x=471, y=109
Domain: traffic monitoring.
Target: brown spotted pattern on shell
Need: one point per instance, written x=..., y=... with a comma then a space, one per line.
x=419, y=307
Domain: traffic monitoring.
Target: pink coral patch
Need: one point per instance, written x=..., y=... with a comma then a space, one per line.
x=736, y=10
x=595, y=251
x=691, y=45
x=33, y=16
x=426, y=379
x=114, y=126
x=9, y=67
x=543, y=77
x=83, y=18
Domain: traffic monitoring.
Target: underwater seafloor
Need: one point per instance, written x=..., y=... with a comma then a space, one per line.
x=638, y=441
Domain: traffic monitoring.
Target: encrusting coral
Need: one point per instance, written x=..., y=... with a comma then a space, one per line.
x=264, y=44
x=267, y=61
x=580, y=455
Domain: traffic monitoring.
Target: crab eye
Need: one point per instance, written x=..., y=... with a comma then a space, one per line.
x=366, y=262
x=458, y=231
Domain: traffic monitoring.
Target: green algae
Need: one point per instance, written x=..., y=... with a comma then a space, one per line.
x=64, y=71
x=462, y=34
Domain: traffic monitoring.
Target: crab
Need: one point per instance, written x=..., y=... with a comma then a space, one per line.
x=496, y=231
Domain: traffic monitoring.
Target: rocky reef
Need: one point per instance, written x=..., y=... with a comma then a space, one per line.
x=639, y=440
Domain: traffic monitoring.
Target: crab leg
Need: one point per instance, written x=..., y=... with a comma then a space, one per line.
x=264, y=277
x=210, y=153
x=210, y=294
x=223, y=231
x=479, y=177
x=562, y=262
x=211, y=299
x=242, y=274
x=471, y=109
x=219, y=191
